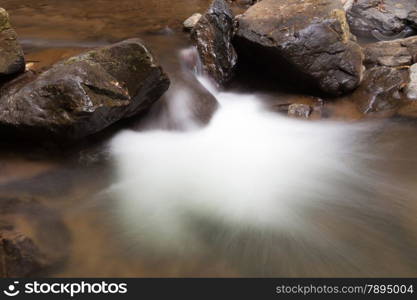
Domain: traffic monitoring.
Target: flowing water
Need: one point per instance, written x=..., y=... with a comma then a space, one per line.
x=254, y=193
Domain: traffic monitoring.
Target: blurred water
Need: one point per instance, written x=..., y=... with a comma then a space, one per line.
x=252, y=194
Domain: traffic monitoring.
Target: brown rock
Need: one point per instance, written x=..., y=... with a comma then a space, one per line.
x=401, y=52
x=382, y=90
x=84, y=94
x=308, y=40
x=12, y=60
x=213, y=35
x=32, y=237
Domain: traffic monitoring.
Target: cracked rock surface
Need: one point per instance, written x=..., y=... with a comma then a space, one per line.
x=306, y=40
x=84, y=94
x=213, y=37
x=401, y=52
x=383, y=19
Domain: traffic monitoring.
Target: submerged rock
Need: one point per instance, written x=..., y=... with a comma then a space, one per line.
x=382, y=19
x=213, y=35
x=32, y=237
x=382, y=90
x=299, y=111
x=401, y=52
x=190, y=23
x=12, y=60
x=84, y=94
x=306, y=40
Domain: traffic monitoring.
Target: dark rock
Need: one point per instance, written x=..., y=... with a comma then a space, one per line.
x=300, y=111
x=190, y=23
x=213, y=35
x=401, y=52
x=32, y=237
x=20, y=257
x=12, y=60
x=382, y=19
x=382, y=90
x=84, y=94
x=306, y=40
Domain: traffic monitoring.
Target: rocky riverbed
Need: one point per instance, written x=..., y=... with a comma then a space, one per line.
x=73, y=76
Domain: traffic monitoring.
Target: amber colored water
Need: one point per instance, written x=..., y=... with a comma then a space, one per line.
x=375, y=238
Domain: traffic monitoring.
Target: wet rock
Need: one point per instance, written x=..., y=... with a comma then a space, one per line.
x=382, y=19
x=308, y=41
x=84, y=94
x=20, y=256
x=213, y=35
x=12, y=60
x=412, y=85
x=382, y=90
x=395, y=53
x=299, y=111
x=190, y=23
x=32, y=237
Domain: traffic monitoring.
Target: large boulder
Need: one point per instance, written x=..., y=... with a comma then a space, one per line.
x=306, y=40
x=12, y=60
x=382, y=19
x=396, y=53
x=382, y=90
x=213, y=36
x=84, y=94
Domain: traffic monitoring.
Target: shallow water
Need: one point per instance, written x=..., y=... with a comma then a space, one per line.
x=252, y=194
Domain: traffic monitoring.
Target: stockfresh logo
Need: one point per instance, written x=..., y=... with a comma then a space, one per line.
x=12, y=290
x=71, y=289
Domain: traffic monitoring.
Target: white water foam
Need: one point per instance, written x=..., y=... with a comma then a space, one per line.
x=249, y=168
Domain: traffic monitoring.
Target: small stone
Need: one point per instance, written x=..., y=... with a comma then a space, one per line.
x=192, y=21
x=299, y=111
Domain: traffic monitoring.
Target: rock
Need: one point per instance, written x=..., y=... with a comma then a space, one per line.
x=20, y=256
x=305, y=40
x=412, y=85
x=299, y=111
x=192, y=21
x=382, y=19
x=381, y=90
x=84, y=94
x=12, y=60
x=32, y=237
x=401, y=52
x=213, y=35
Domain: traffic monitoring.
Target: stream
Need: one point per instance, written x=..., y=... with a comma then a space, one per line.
x=253, y=193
